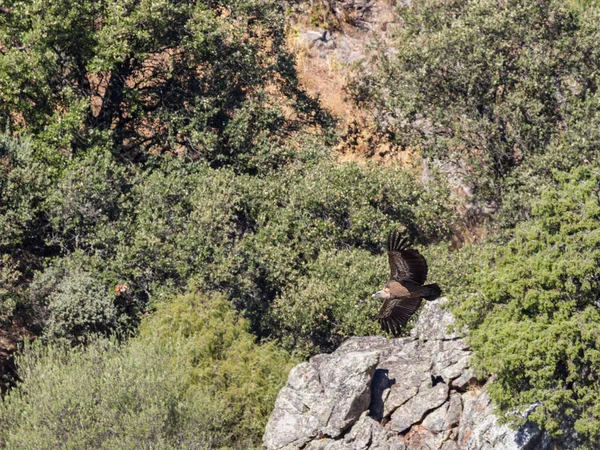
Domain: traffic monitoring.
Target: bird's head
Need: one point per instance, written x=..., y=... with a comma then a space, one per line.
x=384, y=293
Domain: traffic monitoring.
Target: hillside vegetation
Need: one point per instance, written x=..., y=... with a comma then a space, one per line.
x=193, y=378
x=176, y=230
x=507, y=97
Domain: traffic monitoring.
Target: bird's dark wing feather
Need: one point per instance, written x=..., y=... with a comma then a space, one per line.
x=395, y=312
x=405, y=263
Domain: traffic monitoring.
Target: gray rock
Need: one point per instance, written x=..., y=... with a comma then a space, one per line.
x=436, y=420
x=466, y=379
x=420, y=438
x=361, y=435
x=365, y=434
x=324, y=396
x=434, y=322
x=427, y=399
x=323, y=444
x=405, y=379
x=455, y=409
x=292, y=422
x=325, y=42
x=319, y=39
x=307, y=38
x=450, y=445
x=479, y=428
x=358, y=344
x=416, y=392
x=346, y=380
x=452, y=364
x=370, y=434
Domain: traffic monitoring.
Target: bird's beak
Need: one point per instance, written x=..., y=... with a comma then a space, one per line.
x=378, y=294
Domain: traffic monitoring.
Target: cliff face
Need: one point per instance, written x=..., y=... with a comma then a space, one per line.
x=409, y=393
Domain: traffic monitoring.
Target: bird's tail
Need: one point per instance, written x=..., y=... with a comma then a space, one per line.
x=431, y=291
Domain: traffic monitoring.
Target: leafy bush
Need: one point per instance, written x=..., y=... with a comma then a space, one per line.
x=104, y=396
x=252, y=237
x=453, y=268
x=194, y=378
x=220, y=357
x=88, y=204
x=332, y=301
x=534, y=319
x=151, y=229
x=68, y=302
x=23, y=185
x=172, y=144
x=205, y=78
x=488, y=87
x=8, y=278
x=325, y=209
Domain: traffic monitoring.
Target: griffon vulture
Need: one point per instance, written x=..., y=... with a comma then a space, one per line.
x=404, y=291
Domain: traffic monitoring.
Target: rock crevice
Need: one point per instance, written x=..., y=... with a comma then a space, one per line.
x=416, y=392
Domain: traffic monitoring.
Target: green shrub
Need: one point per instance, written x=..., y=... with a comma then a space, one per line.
x=88, y=205
x=194, y=378
x=209, y=339
x=108, y=94
x=9, y=276
x=486, y=88
x=327, y=208
x=24, y=182
x=178, y=77
x=533, y=316
x=102, y=397
x=153, y=229
x=332, y=302
x=71, y=304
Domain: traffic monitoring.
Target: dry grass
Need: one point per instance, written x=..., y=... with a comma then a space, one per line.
x=319, y=76
x=322, y=74
x=360, y=137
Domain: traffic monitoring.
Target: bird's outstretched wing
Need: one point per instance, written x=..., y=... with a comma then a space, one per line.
x=405, y=263
x=395, y=312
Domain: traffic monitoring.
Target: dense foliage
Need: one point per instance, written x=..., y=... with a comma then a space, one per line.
x=193, y=378
x=154, y=145
x=166, y=142
x=534, y=319
x=150, y=145
x=206, y=78
x=504, y=96
x=152, y=230
x=499, y=93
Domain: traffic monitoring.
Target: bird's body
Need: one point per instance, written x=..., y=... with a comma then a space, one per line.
x=405, y=290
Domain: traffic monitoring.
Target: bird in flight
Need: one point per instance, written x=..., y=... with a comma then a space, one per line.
x=405, y=290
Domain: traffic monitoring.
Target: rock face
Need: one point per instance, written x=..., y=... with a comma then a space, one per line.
x=400, y=394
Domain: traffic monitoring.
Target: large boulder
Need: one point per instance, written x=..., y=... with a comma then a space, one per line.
x=416, y=392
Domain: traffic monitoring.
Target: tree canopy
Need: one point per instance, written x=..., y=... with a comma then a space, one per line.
x=534, y=318
x=210, y=79
x=498, y=93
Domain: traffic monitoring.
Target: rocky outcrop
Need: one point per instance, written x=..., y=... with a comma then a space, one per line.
x=416, y=392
